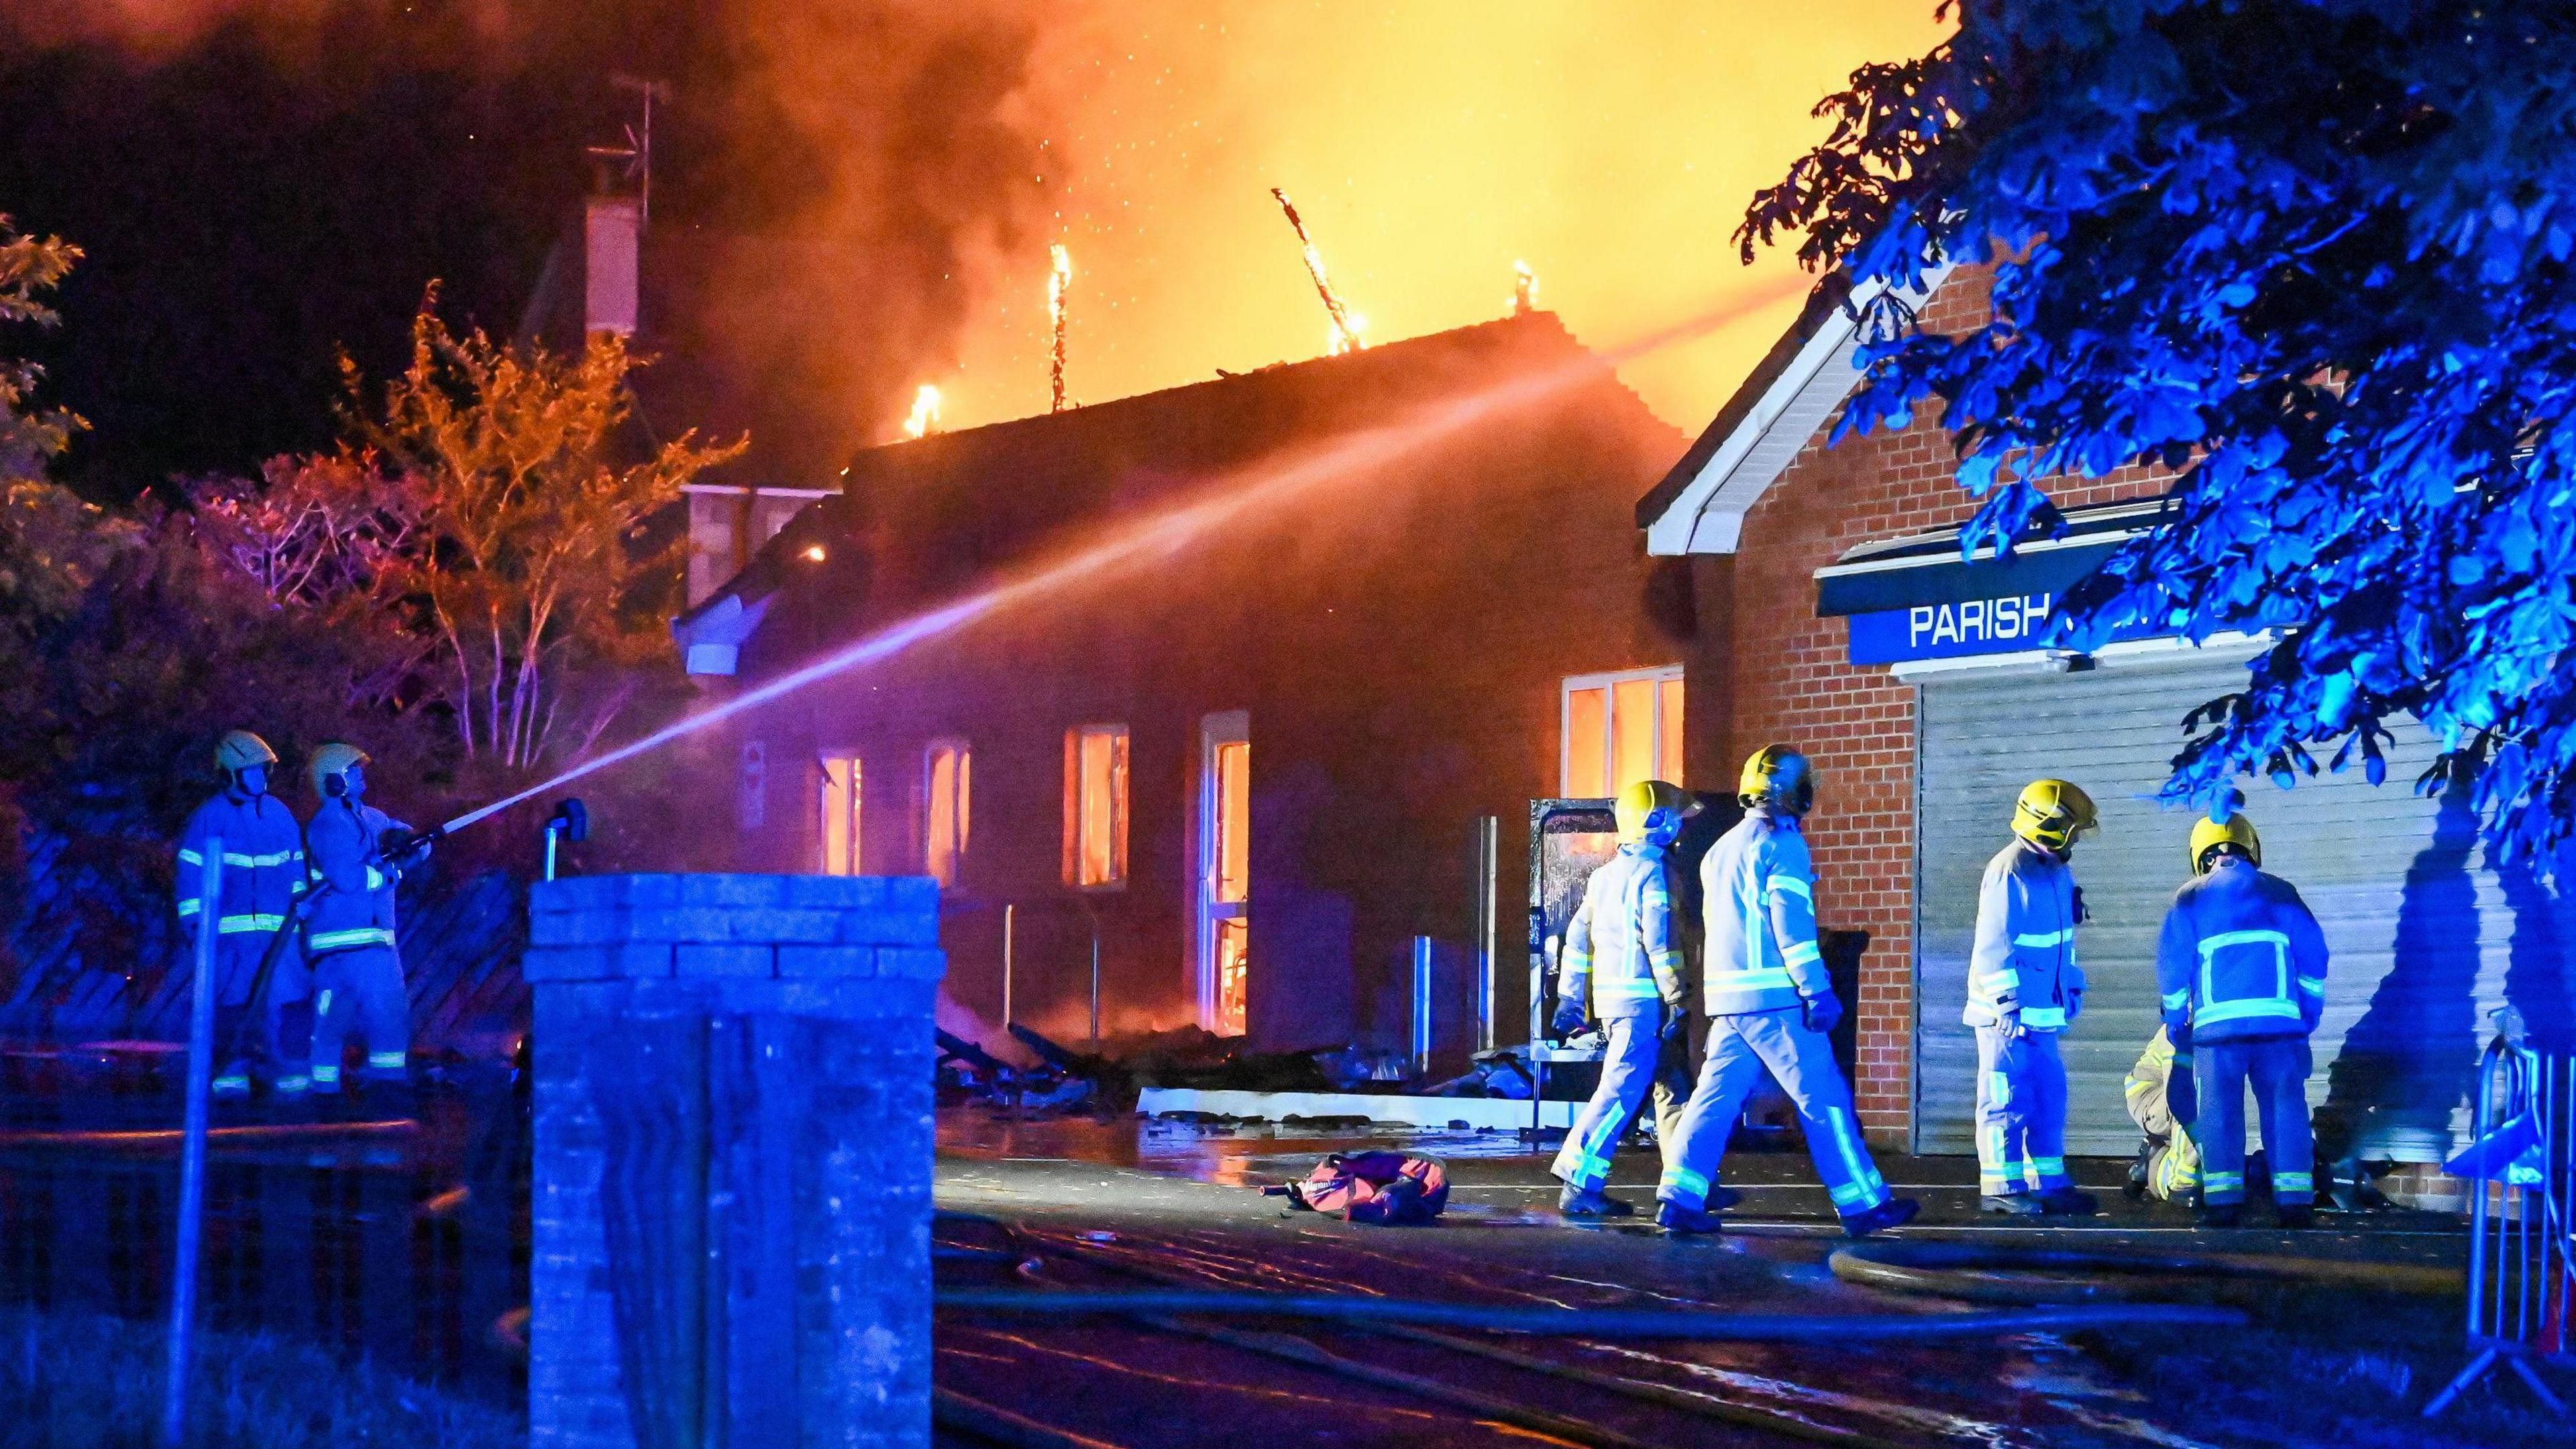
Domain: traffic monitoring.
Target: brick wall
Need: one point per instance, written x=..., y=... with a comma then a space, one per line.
x=1787, y=680
x=731, y=1209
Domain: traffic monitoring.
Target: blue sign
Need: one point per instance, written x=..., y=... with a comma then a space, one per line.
x=1957, y=629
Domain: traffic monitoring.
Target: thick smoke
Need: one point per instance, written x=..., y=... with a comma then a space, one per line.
x=835, y=180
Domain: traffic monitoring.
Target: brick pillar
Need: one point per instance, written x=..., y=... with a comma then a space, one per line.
x=733, y=1158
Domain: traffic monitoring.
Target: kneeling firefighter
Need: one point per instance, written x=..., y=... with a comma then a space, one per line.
x=1620, y=956
x=1771, y=1006
x=349, y=926
x=262, y=1021
x=2241, y=972
x=2024, y=990
x=2160, y=1097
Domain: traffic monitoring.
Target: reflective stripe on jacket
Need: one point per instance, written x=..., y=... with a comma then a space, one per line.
x=1621, y=938
x=2240, y=956
x=263, y=862
x=2024, y=957
x=353, y=904
x=1759, y=889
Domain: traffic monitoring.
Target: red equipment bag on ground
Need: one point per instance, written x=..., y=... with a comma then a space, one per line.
x=1372, y=1187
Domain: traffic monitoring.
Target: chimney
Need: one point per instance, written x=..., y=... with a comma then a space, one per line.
x=612, y=231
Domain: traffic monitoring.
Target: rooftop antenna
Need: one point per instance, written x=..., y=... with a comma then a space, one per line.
x=637, y=154
x=1346, y=336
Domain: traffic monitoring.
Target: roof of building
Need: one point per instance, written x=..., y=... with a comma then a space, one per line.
x=1793, y=392
x=932, y=516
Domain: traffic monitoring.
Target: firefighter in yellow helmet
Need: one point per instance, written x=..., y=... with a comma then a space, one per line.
x=262, y=1029
x=2241, y=973
x=2024, y=989
x=349, y=929
x=1771, y=1007
x=1621, y=957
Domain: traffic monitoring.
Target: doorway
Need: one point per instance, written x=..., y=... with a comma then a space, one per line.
x=1222, y=927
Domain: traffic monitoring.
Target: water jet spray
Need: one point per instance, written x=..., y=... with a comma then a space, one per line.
x=1214, y=513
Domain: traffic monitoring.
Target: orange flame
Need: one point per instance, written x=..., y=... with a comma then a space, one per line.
x=1059, y=277
x=1524, y=289
x=925, y=412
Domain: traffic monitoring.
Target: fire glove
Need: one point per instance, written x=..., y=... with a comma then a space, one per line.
x=1676, y=1019
x=2074, y=1005
x=1822, y=1011
x=1568, y=1019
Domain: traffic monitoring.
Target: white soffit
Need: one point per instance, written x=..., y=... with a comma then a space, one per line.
x=1709, y=513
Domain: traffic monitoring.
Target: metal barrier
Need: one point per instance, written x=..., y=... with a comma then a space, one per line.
x=2521, y=1169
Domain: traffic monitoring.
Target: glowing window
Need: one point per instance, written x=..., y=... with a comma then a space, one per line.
x=949, y=768
x=840, y=823
x=1620, y=728
x=1095, y=806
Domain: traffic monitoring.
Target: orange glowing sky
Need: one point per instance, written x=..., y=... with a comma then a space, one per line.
x=1428, y=145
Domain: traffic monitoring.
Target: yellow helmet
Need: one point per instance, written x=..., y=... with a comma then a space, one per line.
x=2207, y=835
x=1652, y=809
x=2051, y=813
x=328, y=764
x=1778, y=775
x=240, y=749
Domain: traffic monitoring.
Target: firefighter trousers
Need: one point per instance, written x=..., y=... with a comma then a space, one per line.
x=264, y=1039
x=2021, y=1113
x=1628, y=1069
x=1740, y=1049
x=2276, y=1067
x=360, y=994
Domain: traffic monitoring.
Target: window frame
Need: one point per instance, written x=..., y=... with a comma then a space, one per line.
x=960, y=812
x=1077, y=805
x=1607, y=682
x=853, y=796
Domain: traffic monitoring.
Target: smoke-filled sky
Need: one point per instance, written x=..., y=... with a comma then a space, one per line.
x=261, y=181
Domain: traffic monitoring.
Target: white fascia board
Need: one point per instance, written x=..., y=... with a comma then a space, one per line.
x=1708, y=517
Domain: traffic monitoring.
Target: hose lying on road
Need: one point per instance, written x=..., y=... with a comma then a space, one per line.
x=1638, y=1323
x=972, y=1417
x=1981, y=1273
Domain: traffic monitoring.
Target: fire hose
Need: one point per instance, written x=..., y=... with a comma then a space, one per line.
x=1984, y=1273
x=1619, y=1323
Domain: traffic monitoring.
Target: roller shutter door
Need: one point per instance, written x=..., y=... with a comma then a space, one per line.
x=2427, y=938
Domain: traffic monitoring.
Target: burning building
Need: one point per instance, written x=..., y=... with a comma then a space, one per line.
x=1243, y=777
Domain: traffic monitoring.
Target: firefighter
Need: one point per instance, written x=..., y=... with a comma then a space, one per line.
x=1771, y=1006
x=261, y=1028
x=1621, y=956
x=349, y=928
x=2159, y=1092
x=2024, y=989
x=2241, y=968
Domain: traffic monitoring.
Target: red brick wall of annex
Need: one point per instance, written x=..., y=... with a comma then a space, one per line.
x=1790, y=682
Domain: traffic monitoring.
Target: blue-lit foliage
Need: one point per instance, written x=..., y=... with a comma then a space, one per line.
x=2312, y=256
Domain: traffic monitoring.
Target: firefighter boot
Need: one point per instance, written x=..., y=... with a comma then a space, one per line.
x=1896, y=1212
x=1591, y=1202
x=2012, y=1204
x=2066, y=1202
x=2221, y=1214
x=1673, y=1218
x=2298, y=1217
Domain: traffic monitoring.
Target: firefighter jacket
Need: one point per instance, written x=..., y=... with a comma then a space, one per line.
x=2240, y=957
x=263, y=871
x=1759, y=896
x=2173, y=1162
x=2024, y=957
x=1621, y=939
x=353, y=900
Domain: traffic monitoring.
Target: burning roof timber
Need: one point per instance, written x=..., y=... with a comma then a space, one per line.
x=925, y=519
